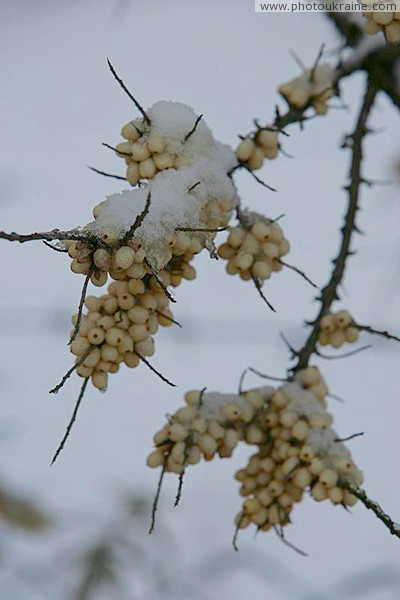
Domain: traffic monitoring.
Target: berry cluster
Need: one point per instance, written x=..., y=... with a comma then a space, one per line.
x=296, y=447
x=388, y=22
x=336, y=329
x=254, y=248
x=172, y=136
x=313, y=87
x=118, y=328
x=252, y=151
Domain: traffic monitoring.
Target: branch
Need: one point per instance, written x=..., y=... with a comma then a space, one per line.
x=72, y=421
x=258, y=288
x=393, y=527
x=81, y=304
x=50, y=236
x=107, y=174
x=191, y=132
x=299, y=272
x=135, y=102
x=138, y=221
x=68, y=374
x=150, y=366
x=384, y=334
x=330, y=292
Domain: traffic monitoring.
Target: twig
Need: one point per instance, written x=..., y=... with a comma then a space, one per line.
x=202, y=392
x=181, y=475
x=168, y=318
x=107, y=174
x=50, y=236
x=63, y=250
x=319, y=56
x=288, y=344
x=159, y=281
x=235, y=536
x=146, y=362
x=299, y=272
x=258, y=288
x=194, y=186
x=211, y=229
x=115, y=150
x=330, y=292
x=393, y=527
x=385, y=334
x=345, y=355
x=81, y=304
x=350, y=437
x=72, y=421
x=156, y=498
x=264, y=376
x=281, y=536
x=241, y=380
x=260, y=181
x=191, y=132
x=68, y=374
x=138, y=221
x=136, y=103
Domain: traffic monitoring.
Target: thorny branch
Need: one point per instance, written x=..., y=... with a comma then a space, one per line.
x=330, y=292
x=72, y=421
x=138, y=221
x=393, y=527
x=136, y=103
x=68, y=374
x=81, y=305
x=372, y=331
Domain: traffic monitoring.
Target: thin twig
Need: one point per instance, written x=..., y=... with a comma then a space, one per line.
x=299, y=272
x=281, y=536
x=241, y=380
x=345, y=355
x=350, y=437
x=168, y=318
x=72, y=421
x=235, y=536
x=81, y=304
x=146, y=362
x=156, y=498
x=194, y=186
x=68, y=374
x=264, y=376
x=136, y=103
x=260, y=181
x=181, y=475
x=202, y=392
x=258, y=288
x=159, y=281
x=191, y=132
x=63, y=250
x=138, y=221
x=107, y=174
x=330, y=292
x=50, y=236
x=211, y=229
x=115, y=150
x=384, y=333
x=393, y=527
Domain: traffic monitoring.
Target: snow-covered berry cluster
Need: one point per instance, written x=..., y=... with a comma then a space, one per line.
x=313, y=87
x=254, y=248
x=297, y=449
x=118, y=328
x=388, y=22
x=338, y=328
x=172, y=136
x=253, y=150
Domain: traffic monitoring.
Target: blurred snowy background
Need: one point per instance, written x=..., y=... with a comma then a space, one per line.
x=58, y=102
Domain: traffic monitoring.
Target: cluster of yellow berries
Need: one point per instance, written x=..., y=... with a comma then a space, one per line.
x=254, y=248
x=296, y=447
x=118, y=328
x=388, y=22
x=338, y=328
x=118, y=261
x=314, y=86
x=253, y=150
x=145, y=153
